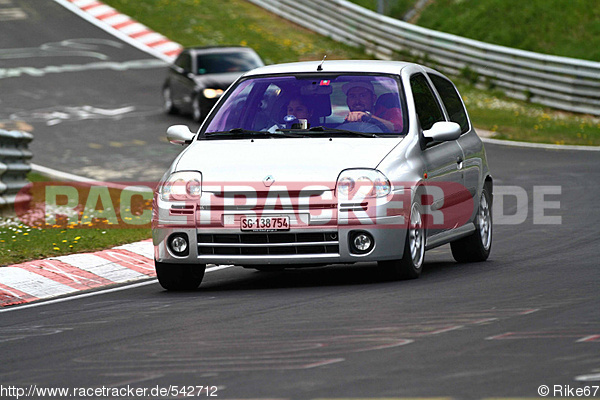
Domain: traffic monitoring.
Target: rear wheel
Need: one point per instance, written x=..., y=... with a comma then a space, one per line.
x=411, y=264
x=179, y=276
x=477, y=246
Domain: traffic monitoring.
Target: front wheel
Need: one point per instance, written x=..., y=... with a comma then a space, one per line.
x=179, y=276
x=477, y=246
x=411, y=264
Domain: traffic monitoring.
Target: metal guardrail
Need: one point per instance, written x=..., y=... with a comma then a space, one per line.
x=559, y=82
x=14, y=165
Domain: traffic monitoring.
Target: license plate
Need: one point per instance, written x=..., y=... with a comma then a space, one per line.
x=265, y=224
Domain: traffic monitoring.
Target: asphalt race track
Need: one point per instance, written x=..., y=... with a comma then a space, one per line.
x=527, y=317
x=92, y=102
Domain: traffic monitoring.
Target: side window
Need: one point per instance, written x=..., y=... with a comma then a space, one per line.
x=184, y=61
x=452, y=101
x=428, y=110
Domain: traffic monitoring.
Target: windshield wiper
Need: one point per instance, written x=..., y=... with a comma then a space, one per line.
x=239, y=133
x=342, y=131
x=284, y=133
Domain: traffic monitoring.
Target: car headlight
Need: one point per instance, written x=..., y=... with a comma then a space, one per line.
x=183, y=185
x=210, y=93
x=363, y=183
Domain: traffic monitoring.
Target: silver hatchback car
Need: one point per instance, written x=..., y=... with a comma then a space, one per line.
x=319, y=163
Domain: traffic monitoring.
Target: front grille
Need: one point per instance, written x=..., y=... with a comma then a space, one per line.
x=265, y=244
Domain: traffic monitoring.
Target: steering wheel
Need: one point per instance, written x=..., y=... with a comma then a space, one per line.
x=377, y=123
x=369, y=126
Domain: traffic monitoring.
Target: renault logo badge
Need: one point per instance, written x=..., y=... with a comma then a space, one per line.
x=268, y=181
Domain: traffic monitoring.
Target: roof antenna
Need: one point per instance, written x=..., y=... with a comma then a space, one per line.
x=320, y=67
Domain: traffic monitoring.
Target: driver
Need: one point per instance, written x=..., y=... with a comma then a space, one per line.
x=360, y=97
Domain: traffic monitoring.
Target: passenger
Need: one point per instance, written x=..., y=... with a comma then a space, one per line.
x=299, y=108
x=360, y=98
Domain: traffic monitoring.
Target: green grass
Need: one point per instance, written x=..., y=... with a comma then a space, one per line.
x=233, y=22
x=569, y=28
x=20, y=242
x=35, y=177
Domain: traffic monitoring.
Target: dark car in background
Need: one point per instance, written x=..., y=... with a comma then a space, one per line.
x=200, y=75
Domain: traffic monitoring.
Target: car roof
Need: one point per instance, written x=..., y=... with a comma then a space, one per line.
x=334, y=66
x=217, y=49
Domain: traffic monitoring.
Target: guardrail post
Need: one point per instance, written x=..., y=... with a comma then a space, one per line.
x=15, y=164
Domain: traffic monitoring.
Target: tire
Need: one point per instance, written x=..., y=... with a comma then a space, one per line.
x=168, y=104
x=197, y=109
x=477, y=247
x=179, y=276
x=411, y=264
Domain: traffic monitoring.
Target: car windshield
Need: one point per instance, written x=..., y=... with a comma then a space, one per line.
x=219, y=63
x=305, y=106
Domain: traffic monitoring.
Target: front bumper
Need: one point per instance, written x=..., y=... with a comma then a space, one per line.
x=322, y=237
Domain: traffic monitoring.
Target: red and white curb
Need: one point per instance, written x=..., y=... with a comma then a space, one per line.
x=57, y=276
x=123, y=27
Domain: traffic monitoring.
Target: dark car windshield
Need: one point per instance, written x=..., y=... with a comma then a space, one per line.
x=218, y=63
x=315, y=105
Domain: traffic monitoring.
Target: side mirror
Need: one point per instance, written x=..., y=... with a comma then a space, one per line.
x=443, y=132
x=180, y=134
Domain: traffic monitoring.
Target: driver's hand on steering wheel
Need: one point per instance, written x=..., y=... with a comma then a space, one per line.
x=356, y=116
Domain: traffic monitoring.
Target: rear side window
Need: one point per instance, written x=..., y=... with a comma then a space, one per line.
x=184, y=61
x=452, y=101
x=428, y=109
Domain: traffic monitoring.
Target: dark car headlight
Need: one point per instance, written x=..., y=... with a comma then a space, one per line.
x=211, y=93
